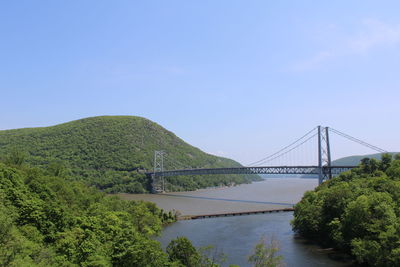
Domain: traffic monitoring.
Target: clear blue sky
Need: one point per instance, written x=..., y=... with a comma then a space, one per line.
x=234, y=78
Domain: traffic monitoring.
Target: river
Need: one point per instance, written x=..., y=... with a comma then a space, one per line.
x=237, y=236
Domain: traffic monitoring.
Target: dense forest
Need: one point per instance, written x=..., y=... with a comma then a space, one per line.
x=357, y=212
x=47, y=221
x=113, y=152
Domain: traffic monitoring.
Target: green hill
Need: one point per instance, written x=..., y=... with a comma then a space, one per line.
x=113, y=152
x=355, y=160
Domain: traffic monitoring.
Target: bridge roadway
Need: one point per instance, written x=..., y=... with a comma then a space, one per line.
x=334, y=170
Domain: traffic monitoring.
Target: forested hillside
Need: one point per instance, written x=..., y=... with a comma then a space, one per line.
x=112, y=153
x=47, y=221
x=358, y=212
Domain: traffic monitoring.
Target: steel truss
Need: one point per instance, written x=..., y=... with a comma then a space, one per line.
x=333, y=170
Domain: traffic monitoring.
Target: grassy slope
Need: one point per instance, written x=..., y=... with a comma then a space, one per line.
x=100, y=150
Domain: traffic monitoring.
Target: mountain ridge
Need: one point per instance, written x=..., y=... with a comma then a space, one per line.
x=100, y=149
x=356, y=159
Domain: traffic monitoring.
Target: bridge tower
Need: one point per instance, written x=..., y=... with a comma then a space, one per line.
x=324, y=154
x=158, y=183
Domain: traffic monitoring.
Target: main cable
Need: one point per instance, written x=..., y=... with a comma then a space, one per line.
x=358, y=141
x=292, y=148
x=272, y=155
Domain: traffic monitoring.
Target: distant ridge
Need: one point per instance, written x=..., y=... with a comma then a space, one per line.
x=355, y=160
x=112, y=152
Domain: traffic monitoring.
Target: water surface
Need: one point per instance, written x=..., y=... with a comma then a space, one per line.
x=236, y=236
x=272, y=193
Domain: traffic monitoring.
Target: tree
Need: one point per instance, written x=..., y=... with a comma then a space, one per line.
x=57, y=168
x=370, y=224
x=182, y=250
x=211, y=257
x=307, y=215
x=369, y=165
x=15, y=157
x=386, y=159
x=266, y=254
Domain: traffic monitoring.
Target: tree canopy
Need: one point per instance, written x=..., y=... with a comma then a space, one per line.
x=47, y=221
x=358, y=212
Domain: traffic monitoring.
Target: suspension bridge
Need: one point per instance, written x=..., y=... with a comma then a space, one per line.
x=322, y=168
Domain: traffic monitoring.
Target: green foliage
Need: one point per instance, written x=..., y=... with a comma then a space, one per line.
x=112, y=153
x=182, y=251
x=47, y=221
x=15, y=157
x=211, y=257
x=265, y=254
x=358, y=211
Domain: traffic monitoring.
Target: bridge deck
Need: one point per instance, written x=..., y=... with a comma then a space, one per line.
x=334, y=170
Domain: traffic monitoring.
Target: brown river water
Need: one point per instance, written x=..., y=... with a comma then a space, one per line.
x=271, y=193
x=236, y=236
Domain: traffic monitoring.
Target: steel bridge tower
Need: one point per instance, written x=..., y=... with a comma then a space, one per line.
x=158, y=182
x=324, y=155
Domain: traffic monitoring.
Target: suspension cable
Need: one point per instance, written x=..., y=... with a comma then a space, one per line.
x=272, y=155
x=280, y=155
x=358, y=141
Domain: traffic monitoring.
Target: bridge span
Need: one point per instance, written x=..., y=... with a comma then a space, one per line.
x=301, y=170
x=324, y=168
